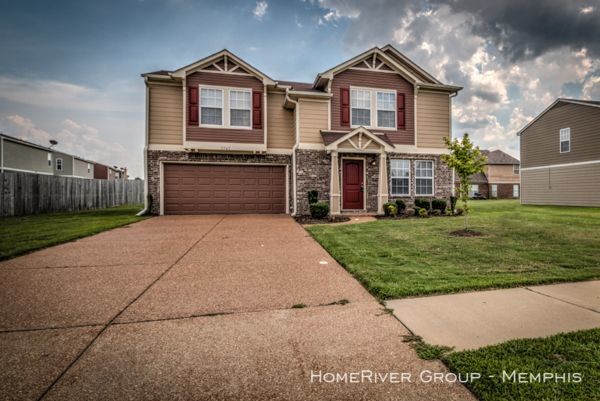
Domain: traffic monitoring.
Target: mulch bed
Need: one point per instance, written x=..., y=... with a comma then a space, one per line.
x=327, y=220
x=466, y=233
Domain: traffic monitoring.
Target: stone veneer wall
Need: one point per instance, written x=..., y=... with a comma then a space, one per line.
x=442, y=177
x=156, y=156
x=313, y=173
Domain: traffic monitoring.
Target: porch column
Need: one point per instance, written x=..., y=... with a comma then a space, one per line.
x=334, y=187
x=382, y=194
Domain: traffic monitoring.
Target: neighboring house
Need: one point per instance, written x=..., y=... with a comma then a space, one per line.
x=103, y=172
x=500, y=177
x=560, y=155
x=223, y=137
x=20, y=155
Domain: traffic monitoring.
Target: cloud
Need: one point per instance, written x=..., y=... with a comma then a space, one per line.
x=260, y=10
x=119, y=96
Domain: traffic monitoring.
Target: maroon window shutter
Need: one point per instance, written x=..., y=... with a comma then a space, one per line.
x=192, y=105
x=257, y=110
x=401, y=112
x=345, y=106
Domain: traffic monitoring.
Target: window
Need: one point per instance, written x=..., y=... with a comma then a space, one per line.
x=211, y=103
x=474, y=190
x=386, y=109
x=565, y=140
x=424, y=177
x=49, y=159
x=89, y=168
x=400, y=177
x=515, y=191
x=239, y=108
x=494, y=191
x=59, y=164
x=516, y=169
x=360, y=107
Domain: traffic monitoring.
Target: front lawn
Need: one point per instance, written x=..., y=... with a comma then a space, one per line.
x=24, y=234
x=563, y=355
x=522, y=245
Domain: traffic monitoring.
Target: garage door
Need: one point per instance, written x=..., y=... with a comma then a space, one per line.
x=205, y=189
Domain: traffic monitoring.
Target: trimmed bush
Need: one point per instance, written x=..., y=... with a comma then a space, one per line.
x=410, y=212
x=423, y=203
x=449, y=212
x=313, y=196
x=453, y=203
x=439, y=204
x=319, y=210
x=459, y=211
x=423, y=212
x=400, y=205
x=436, y=212
x=390, y=209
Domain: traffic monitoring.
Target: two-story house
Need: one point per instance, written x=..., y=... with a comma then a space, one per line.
x=223, y=137
x=560, y=155
x=500, y=178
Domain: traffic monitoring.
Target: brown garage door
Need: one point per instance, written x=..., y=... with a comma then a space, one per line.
x=205, y=189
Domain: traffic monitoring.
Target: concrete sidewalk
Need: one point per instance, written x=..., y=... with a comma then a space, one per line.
x=476, y=319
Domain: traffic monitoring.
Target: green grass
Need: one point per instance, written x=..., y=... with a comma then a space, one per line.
x=522, y=245
x=19, y=235
x=577, y=352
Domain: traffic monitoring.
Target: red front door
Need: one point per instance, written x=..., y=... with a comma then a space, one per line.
x=353, y=184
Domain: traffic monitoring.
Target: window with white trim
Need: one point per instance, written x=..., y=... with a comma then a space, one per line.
x=211, y=106
x=89, y=168
x=516, y=169
x=386, y=109
x=399, y=177
x=494, y=191
x=49, y=159
x=565, y=140
x=360, y=107
x=424, y=177
x=240, y=108
x=59, y=164
x=515, y=190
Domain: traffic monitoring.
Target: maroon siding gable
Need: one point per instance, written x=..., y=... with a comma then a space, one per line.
x=196, y=133
x=100, y=172
x=380, y=80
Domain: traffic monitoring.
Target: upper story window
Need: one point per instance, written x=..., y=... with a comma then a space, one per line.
x=225, y=107
x=565, y=140
x=400, y=177
x=49, y=159
x=516, y=169
x=362, y=112
x=59, y=164
x=424, y=177
x=89, y=168
x=211, y=106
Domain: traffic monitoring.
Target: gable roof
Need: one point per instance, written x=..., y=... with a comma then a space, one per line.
x=401, y=57
x=581, y=102
x=382, y=140
x=499, y=157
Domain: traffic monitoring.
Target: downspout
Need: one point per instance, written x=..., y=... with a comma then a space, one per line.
x=296, y=144
x=1, y=153
x=450, y=119
x=145, y=210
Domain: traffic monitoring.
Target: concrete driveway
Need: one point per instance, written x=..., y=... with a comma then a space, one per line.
x=198, y=308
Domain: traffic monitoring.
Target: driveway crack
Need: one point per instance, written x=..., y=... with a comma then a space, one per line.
x=562, y=300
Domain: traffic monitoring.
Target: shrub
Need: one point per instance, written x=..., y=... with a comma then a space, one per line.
x=453, y=203
x=313, y=196
x=410, y=212
x=449, y=212
x=319, y=210
x=436, y=212
x=423, y=212
x=423, y=203
x=390, y=209
x=400, y=205
x=439, y=204
x=459, y=211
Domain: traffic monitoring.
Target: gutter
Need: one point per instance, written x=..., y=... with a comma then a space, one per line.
x=294, y=148
x=145, y=209
x=1, y=153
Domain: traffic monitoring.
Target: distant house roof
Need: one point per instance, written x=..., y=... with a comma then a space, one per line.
x=479, y=178
x=499, y=157
x=581, y=102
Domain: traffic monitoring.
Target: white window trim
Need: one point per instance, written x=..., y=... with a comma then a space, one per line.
x=225, y=107
x=472, y=191
x=560, y=140
x=432, y=176
x=59, y=159
x=516, y=169
x=373, y=108
x=516, y=186
x=409, y=179
x=494, y=193
x=49, y=159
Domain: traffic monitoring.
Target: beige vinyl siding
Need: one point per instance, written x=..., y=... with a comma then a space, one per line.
x=166, y=115
x=22, y=157
x=80, y=169
x=433, y=119
x=501, y=173
x=568, y=185
x=280, y=123
x=313, y=119
x=540, y=143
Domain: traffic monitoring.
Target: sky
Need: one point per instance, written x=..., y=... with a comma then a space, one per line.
x=70, y=70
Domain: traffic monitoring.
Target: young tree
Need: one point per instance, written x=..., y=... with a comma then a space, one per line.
x=466, y=160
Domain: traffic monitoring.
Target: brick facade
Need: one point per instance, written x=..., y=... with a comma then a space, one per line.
x=313, y=173
x=155, y=157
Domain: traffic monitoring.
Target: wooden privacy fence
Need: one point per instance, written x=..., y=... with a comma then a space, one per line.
x=26, y=193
